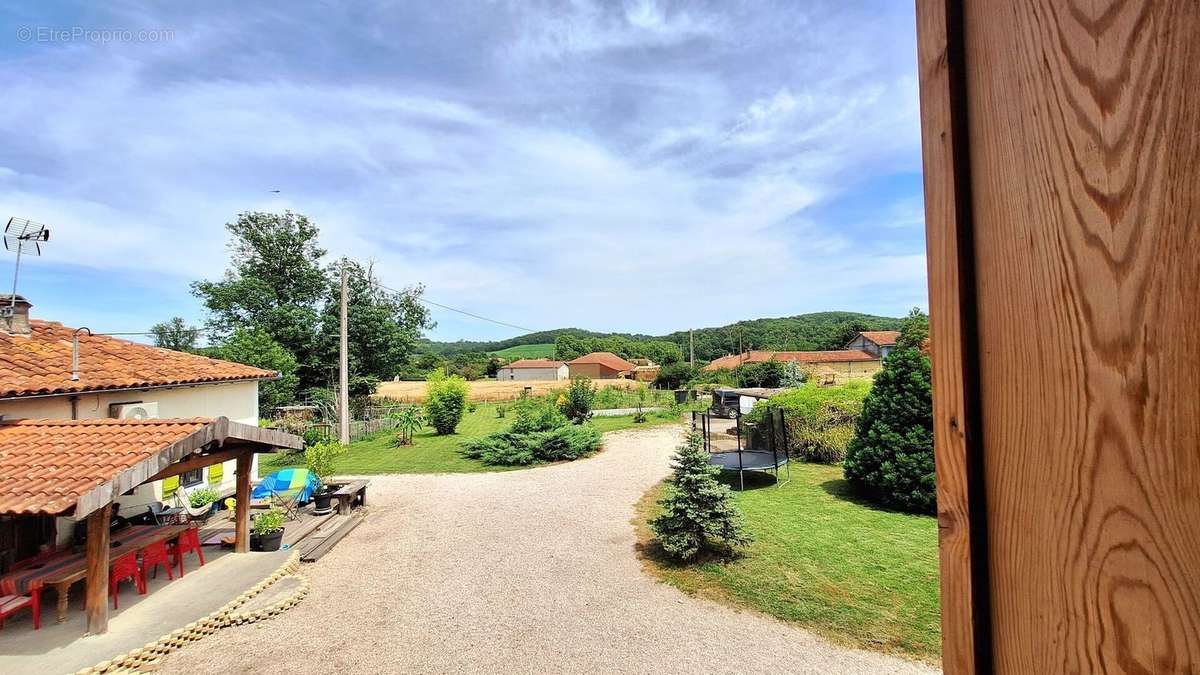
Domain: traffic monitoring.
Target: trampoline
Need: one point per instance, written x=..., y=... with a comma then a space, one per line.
x=768, y=459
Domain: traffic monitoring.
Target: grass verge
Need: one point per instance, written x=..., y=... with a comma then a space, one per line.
x=431, y=453
x=855, y=574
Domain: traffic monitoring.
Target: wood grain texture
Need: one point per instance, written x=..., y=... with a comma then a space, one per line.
x=951, y=299
x=95, y=599
x=1084, y=140
x=241, y=513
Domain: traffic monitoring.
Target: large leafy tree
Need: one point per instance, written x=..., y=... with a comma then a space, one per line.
x=891, y=457
x=274, y=285
x=174, y=333
x=383, y=326
x=254, y=347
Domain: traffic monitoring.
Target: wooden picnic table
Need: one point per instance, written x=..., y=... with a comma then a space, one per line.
x=63, y=570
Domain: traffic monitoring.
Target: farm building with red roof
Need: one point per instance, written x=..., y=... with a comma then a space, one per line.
x=600, y=366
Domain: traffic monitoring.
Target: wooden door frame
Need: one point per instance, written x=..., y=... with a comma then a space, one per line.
x=953, y=329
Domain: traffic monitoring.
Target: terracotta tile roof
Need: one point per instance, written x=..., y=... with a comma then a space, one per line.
x=606, y=359
x=50, y=466
x=883, y=338
x=535, y=363
x=40, y=363
x=47, y=465
x=838, y=356
x=728, y=362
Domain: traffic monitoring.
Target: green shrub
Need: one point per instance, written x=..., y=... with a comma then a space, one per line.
x=698, y=513
x=504, y=448
x=579, y=397
x=311, y=436
x=268, y=522
x=203, y=497
x=721, y=377
x=567, y=442
x=675, y=375
x=820, y=420
x=536, y=414
x=445, y=401
x=319, y=458
x=767, y=374
x=890, y=459
x=501, y=411
x=620, y=397
x=540, y=433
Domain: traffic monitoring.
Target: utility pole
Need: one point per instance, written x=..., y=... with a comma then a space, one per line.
x=691, y=348
x=344, y=373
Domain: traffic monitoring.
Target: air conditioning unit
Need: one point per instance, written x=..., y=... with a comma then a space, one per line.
x=133, y=411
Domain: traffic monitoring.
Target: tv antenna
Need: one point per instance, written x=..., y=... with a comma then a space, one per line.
x=22, y=236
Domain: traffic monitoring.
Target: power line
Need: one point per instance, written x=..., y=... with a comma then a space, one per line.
x=462, y=311
x=386, y=288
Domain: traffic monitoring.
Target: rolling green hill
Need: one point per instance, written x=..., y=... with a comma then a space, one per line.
x=804, y=332
x=540, y=350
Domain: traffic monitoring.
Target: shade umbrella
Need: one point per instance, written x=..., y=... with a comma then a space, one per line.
x=287, y=482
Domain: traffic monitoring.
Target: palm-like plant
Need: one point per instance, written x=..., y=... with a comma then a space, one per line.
x=408, y=421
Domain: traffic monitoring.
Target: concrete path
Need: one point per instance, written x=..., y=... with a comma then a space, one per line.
x=526, y=571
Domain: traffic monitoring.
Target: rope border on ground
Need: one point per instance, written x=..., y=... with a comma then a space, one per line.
x=135, y=660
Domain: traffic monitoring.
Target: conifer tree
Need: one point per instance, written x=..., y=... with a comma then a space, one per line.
x=698, y=513
x=890, y=459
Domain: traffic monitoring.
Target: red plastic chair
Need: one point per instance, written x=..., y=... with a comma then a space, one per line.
x=11, y=604
x=125, y=567
x=188, y=540
x=154, y=555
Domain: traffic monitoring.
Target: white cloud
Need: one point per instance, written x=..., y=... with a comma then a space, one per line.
x=533, y=202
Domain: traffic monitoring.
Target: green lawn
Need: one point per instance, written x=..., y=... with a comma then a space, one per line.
x=536, y=351
x=431, y=453
x=858, y=575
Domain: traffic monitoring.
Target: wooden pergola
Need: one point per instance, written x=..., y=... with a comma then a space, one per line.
x=127, y=453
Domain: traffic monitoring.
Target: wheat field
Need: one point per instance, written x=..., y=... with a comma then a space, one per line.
x=490, y=390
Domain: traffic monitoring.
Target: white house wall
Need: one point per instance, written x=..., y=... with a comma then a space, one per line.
x=526, y=374
x=236, y=400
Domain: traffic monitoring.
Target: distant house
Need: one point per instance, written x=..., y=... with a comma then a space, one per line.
x=877, y=342
x=828, y=366
x=645, y=370
x=119, y=379
x=600, y=366
x=534, y=369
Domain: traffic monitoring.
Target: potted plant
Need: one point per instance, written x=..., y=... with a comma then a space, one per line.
x=319, y=458
x=204, y=497
x=268, y=531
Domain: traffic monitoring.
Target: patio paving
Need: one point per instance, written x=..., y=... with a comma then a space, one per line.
x=167, y=605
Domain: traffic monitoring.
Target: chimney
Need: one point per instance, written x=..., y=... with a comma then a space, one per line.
x=14, y=315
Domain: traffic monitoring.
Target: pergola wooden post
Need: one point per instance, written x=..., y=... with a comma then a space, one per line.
x=96, y=595
x=242, y=508
x=1062, y=183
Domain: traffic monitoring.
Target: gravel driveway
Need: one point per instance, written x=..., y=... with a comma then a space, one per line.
x=526, y=571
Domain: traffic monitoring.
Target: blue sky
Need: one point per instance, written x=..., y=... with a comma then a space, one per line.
x=631, y=166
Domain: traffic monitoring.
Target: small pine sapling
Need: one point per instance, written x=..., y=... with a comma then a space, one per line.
x=698, y=514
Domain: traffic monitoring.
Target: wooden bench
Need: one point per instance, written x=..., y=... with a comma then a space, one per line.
x=349, y=494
